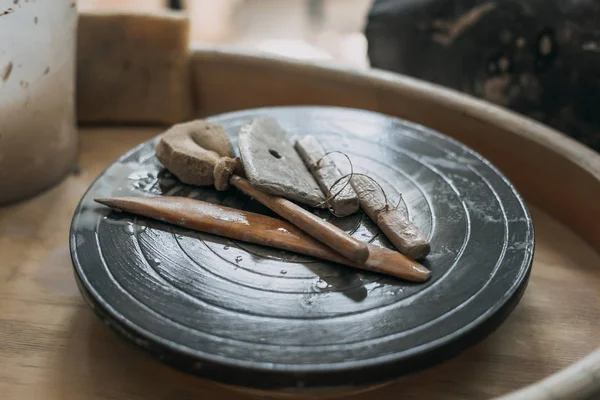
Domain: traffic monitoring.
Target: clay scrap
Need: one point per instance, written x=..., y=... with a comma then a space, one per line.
x=273, y=166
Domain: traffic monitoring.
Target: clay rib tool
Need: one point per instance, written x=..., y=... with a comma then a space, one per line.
x=273, y=166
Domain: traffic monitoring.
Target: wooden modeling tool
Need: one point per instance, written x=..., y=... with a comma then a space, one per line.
x=259, y=229
x=393, y=221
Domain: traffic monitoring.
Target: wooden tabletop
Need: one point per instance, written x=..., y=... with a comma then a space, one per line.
x=53, y=347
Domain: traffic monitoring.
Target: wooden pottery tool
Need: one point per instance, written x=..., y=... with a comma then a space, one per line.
x=199, y=152
x=263, y=318
x=393, y=220
x=259, y=229
x=341, y=197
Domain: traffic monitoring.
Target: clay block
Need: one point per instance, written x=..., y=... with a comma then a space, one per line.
x=133, y=68
x=273, y=166
x=539, y=58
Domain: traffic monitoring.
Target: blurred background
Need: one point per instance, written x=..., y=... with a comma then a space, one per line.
x=540, y=58
x=321, y=30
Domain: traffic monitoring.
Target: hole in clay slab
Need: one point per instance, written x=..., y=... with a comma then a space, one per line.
x=274, y=153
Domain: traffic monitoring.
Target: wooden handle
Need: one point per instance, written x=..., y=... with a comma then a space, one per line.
x=323, y=231
x=259, y=229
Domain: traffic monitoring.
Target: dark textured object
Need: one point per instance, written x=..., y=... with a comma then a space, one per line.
x=175, y=5
x=540, y=58
x=257, y=317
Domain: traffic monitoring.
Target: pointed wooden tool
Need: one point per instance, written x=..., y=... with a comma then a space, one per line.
x=316, y=227
x=259, y=229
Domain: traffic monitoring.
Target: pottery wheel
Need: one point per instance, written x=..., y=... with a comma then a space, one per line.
x=249, y=315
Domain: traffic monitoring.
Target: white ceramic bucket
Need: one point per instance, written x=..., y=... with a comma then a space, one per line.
x=38, y=136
